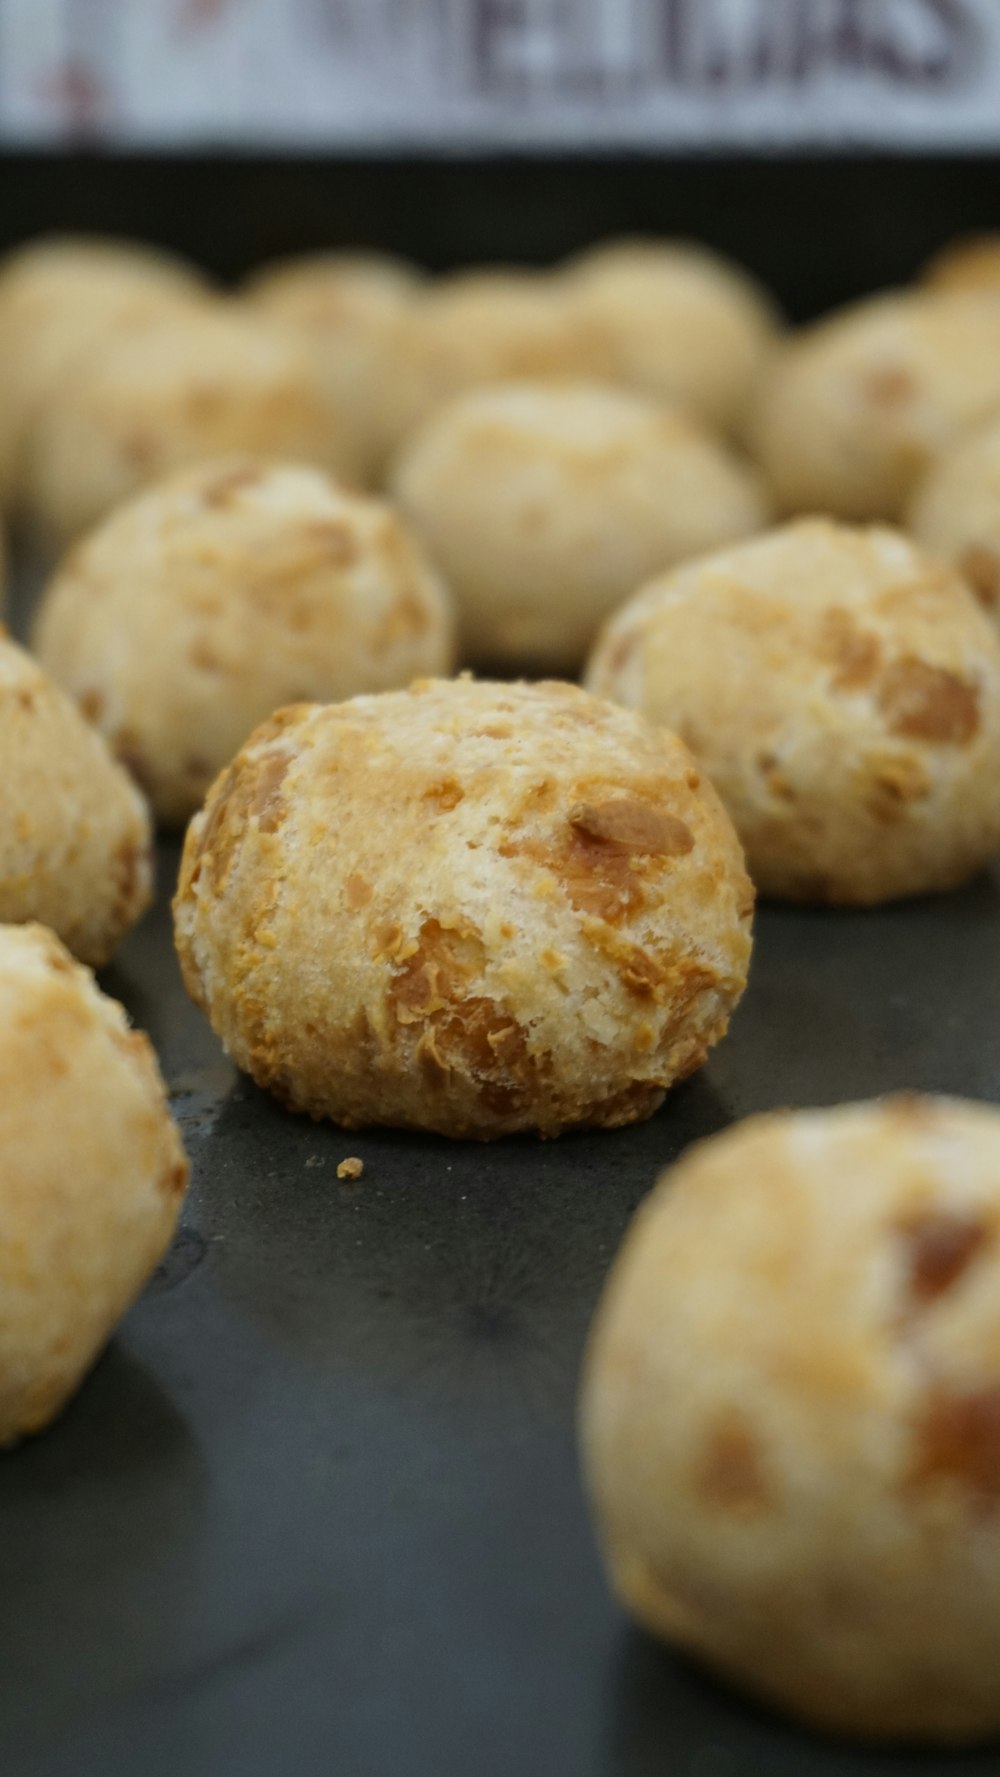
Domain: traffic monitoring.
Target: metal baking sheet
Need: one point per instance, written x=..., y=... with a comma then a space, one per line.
x=318, y=1510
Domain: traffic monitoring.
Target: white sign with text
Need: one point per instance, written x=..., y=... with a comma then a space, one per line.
x=502, y=73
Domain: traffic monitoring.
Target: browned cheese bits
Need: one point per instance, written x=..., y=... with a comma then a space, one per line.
x=469, y=908
x=223, y=592
x=75, y=849
x=855, y=408
x=171, y=389
x=92, y=1179
x=791, y=1415
x=842, y=691
x=545, y=506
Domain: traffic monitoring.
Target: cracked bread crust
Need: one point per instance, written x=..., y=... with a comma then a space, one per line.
x=470, y=908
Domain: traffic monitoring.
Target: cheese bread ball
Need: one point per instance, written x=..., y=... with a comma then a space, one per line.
x=956, y=512
x=344, y=308
x=223, y=592
x=970, y=263
x=682, y=324
x=842, y=691
x=60, y=297
x=482, y=327
x=92, y=1179
x=791, y=1414
x=470, y=908
x=172, y=389
x=546, y=506
x=74, y=831
x=854, y=409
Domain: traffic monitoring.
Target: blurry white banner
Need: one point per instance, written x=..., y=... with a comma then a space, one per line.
x=501, y=73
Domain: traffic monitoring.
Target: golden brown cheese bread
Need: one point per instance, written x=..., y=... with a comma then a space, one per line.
x=970, y=263
x=344, y=308
x=60, y=297
x=469, y=908
x=167, y=390
x=790, y=1414
x=853, y=410
x=682, y=324
x=956, y=512
x=92, y=1177
x=219, y=594
x=842, y=691
x=492, y=324
x=75, y=843
x=547, y=505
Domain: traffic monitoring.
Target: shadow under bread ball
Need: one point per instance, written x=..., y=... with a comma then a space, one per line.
x=221, y=593
x=469, y=908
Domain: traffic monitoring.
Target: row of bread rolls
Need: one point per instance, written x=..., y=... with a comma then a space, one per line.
x=122, y=363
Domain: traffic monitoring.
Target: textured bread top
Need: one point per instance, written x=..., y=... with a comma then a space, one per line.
x=470, y=906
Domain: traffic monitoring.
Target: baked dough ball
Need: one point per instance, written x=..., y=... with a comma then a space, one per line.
x=60, y=297
x=970, y=263
x=791, y=1414
x=546, y=506
x=843, y=693
x=344, y=308
x=682, y=323
x=74, y=832
x=482, y=327
x=171, y=389
x=956, y=512
x=469, y=908
x=223, y=592
x=855, y=408
x=92, y=1180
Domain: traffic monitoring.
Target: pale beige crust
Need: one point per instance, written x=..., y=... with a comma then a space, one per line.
x=790, y=1414
x=167, y=390
x=682, y=324
x=60, y=296
x=842, y=691
x=545, y=506
x=344, y=308
x=223, y=592
x=469, y=908
x=92, y=1179
x=969, y=263
x=854, y=409
x=956, y=513
x=75, y=842
x=484, y=326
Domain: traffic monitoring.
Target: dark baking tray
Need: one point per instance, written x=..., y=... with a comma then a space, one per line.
x=318, y=1509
